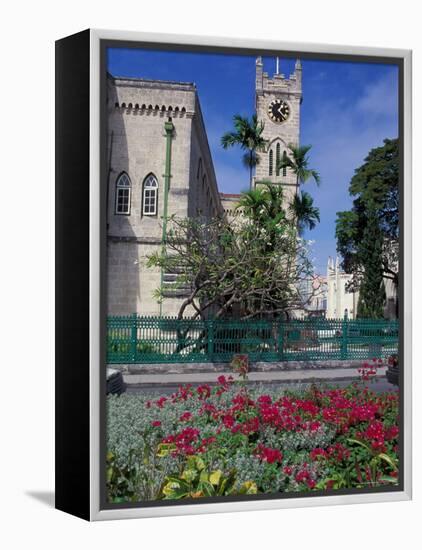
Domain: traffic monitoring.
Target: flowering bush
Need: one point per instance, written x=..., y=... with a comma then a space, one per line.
x=271, y=441
x=393, y=361
x=240, y=365
x=370, y=369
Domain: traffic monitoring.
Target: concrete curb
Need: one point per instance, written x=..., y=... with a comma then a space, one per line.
x=326, y=375
x=207, y=368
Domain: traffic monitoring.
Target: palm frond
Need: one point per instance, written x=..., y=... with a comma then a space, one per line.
x=303, y=210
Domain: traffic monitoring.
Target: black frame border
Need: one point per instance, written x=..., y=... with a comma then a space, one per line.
x=72, y=293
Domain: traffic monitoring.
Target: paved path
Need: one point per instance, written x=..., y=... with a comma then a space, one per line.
x=265, y=377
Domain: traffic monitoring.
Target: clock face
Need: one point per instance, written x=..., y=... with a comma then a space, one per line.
x=278, y=110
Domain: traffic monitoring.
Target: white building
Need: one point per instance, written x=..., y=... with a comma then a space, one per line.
x=340, y=302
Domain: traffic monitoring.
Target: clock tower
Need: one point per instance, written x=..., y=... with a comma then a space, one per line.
x=277, y=104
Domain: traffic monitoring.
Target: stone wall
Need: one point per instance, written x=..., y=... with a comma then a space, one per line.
x=137, y=111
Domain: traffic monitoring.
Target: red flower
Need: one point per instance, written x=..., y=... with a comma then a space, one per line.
x=186, y=416
x=302, y=475
x=264, y=400
x=208, y=408
x=184, y=392
x=203, y=391
x=228, y=420
x=250, y=426
x=317, y=453
x=156, y=423
x=314, y=426
x=338, y=452
x=205, y=443
x=160, y=402
x=267, y=454
x=391, y=433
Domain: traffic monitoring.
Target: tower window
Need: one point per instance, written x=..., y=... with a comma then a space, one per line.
x=271, y=160
x=284, y=168
x=123, y=188
x=150, y=192
x=277, y=160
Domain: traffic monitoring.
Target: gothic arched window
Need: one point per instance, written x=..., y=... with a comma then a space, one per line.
x=284, y=168
x=270, y=165
x=277, y=160
x=150, y=196
x=123, y=188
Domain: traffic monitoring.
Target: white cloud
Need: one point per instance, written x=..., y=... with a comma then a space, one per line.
x=380, y=98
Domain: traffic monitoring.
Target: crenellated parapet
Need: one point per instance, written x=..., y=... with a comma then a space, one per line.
x=278, y=83
x=144, y=109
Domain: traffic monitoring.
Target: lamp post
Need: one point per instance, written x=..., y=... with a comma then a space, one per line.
x=169, y=129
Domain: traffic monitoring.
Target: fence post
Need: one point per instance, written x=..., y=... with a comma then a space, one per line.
x=133, y=337
x=210, y=334
x=280, y=341
x=344, y=335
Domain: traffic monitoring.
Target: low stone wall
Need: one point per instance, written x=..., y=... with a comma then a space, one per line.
x=186, y=368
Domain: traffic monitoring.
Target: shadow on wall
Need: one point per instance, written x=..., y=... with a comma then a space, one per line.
x=123, y=289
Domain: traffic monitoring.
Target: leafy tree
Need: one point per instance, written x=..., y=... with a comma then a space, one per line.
x=234, y=270
x=372, y=291
x=297, y=160
x=248, y=135
x=375, y=188
x=376, y=184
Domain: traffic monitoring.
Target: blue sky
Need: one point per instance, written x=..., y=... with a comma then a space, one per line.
x=348, y=108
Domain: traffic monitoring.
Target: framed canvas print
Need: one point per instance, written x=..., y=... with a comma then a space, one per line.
x=233, y=275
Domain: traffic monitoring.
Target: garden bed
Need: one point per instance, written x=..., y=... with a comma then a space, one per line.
x=232, y=439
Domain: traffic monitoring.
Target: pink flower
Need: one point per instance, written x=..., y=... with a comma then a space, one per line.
x=156, y=423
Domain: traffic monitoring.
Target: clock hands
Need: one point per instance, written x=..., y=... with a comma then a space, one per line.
x=283, y=110
x=279, y=111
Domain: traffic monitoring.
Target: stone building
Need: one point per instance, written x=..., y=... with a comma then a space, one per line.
x=160, y=164
x=340, y=302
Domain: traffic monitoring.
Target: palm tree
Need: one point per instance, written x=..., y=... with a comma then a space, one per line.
x=303, y=210
x=248, y=135
x=298, y=161
x=265, y=207
x=252, y=203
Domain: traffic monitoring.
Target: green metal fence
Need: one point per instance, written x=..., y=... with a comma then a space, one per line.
x=135, y=339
